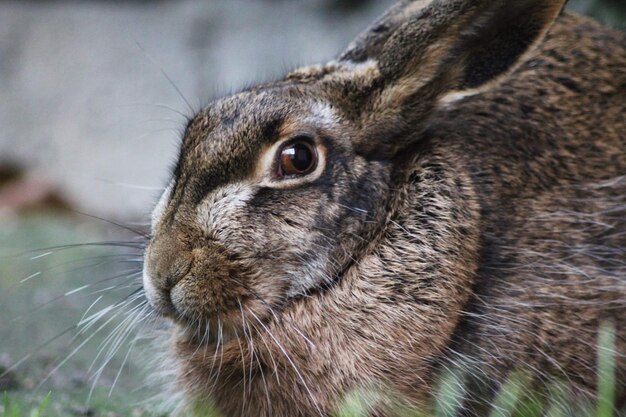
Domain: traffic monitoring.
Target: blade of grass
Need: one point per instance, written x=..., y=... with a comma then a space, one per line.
x=449, y=397
x=606, y=370
x=510, y=394
x=43, y=405
x=10, y=408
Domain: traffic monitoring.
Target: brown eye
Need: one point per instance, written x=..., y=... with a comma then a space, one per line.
x=297, y=158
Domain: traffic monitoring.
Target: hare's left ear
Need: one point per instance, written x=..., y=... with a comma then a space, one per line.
x=424, y=53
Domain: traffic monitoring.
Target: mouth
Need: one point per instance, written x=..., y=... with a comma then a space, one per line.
x=200, y=322
x=158, y=300
x=211, y=307
x=203, y=331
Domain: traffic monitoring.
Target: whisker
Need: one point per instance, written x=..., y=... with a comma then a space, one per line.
x=131, y=186
x=36, y=350
x=89, y=308
x=258, y=297
x=53, y=249
x=75, y=350
x=269, y=351
x=189, y=106
x=119, y=372
x=121, y=226
x=114, y=340
x=31, y=276
x=158, y=106
x=41, y=306
x=293, y=365
x=243, y=369
x=121, y=332
x=43, y=255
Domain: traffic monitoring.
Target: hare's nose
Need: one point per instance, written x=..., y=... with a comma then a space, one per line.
x=167, y=261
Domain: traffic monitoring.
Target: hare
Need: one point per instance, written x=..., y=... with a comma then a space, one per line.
x=448, y=193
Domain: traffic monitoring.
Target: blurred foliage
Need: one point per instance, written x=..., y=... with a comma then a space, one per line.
x=610, y=12
x=11, y=409
x=47, y=284
x=516, y=396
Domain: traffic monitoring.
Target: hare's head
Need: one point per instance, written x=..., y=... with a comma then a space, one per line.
x=280, y=189
x=269, y=201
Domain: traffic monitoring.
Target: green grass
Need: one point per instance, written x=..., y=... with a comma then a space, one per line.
x=13, y=409
x=606, y=371
x=27, y=404
x=610, y=12
x=35, y=308
x=515, y=398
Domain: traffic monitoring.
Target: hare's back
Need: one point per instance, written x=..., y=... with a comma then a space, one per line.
x=547, y=154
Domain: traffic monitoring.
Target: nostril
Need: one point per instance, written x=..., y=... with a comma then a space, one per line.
x=178, y=271
x=167, y=261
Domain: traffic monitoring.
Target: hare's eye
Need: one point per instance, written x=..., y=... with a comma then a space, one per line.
x=298, y=157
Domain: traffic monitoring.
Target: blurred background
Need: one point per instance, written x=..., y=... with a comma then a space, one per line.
x=85, y=100
x=91, y=111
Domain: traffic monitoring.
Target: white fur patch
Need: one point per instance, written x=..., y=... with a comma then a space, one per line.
x=308, y=277
x=322, y=115
x=358, y=67
x=223, y=205
x=159, y=209
x=455, y=96
x=148, y=287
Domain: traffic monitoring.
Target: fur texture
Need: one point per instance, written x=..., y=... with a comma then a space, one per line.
x=467, y=210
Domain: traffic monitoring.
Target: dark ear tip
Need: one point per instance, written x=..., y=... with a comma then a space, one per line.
x=381, y=28
x=503, y=36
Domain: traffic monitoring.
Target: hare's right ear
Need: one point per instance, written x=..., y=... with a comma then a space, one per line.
x=424, y=53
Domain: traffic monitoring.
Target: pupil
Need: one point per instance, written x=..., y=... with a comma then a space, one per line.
x=302, y=157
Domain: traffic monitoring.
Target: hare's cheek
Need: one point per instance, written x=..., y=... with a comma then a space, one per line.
x=219, y=214
x=311, y=275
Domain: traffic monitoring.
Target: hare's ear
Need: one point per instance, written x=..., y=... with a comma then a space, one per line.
x=425, y=53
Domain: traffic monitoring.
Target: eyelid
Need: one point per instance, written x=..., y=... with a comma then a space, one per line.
x=299, y=137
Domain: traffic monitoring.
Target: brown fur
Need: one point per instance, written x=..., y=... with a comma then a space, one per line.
x=470, y=213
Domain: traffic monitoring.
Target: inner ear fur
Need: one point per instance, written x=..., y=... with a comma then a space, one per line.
x=498, y=40
x=429, y=52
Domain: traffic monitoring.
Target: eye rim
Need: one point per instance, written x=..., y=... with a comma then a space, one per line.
x=307, y=141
